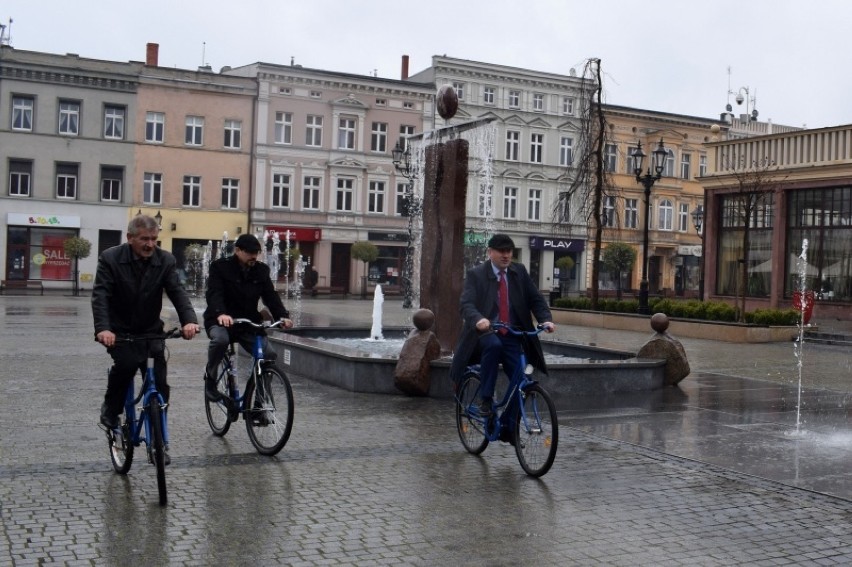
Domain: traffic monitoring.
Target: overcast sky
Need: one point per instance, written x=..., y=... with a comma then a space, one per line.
x=794, y=56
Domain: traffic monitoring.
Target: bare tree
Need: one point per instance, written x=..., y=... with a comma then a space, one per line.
x=590, y=184
x=750, y=203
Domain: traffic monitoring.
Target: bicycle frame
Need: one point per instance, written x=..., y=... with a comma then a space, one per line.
x=257, y=358
x=148, y=394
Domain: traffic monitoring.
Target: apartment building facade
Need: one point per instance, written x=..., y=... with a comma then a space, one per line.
x=537, y=116
x=323, y=169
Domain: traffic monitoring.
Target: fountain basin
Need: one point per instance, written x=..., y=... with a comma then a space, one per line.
x=306, y=353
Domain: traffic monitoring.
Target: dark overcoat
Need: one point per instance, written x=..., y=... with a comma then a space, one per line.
x=234, y=291
x=479, y=300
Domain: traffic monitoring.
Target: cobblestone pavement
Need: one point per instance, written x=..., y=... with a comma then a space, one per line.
x=371, y=479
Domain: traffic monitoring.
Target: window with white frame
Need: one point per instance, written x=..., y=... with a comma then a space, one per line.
x=283, y=127
x=313, y=131
x=379, y=137
x=534, y=205
x=233, y=134
x=513, y=145
x=20, y=177
x=538, y=102
x=668, y=170
x=155, y=125
x=280, y=191
x=630, y=162
x=459, y=88
x=22, y=113
x=114, y=122
x=631, y=213
x=488, y=95
x=702, y=165
x=346, y=134
x=685, y=165
x=536, y=148
x=683, y=217
x=66, y=180
x=402, y=199
x=345, y=195
x=609, y=211
x=610, y=157
x=230, y=193
x=510, y=202
x=566, y=151
x=194, y=131
x=376, y=197
x=666, y=210
x=112, y=178
x=191, y=191
x=568, y=105
x=484, y=205
x=152, y=188
x=69, y=117
x=311, y=192
x=514, y=99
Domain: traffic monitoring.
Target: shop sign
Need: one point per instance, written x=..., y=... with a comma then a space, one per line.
x=43, y=220
x=689, y=251
x=555, y=243
x=387, y=236
x=297, y=234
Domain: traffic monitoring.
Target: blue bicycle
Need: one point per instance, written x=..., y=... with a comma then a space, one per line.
x=149, y=426
x=525, y=416
x=266, y=404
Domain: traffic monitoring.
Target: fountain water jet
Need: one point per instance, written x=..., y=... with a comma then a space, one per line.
x=378, y=300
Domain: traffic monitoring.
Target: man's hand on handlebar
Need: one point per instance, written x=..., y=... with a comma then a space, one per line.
x=190, y=330
x=106, y=338
x=286, y=323
x=548, y=327
x=225, y=320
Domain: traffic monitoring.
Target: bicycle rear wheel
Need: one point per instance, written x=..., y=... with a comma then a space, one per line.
x=157, y=446
x=536, y=431
x=121, y=449
x=217, y=412
x=269, y=410
x=469, y=424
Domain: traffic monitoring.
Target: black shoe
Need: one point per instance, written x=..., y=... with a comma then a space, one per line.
x=260, y=418
x=108, y=420
x=210, y=391
x=485, y=408
x=506, y=436
x=166, y=458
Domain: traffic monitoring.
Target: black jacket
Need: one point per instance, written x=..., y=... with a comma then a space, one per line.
x=479, y=300
x=235, y=292
x=125, y=300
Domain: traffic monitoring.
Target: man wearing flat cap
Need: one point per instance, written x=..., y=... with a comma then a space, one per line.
x=234, y=287
x=482, y=303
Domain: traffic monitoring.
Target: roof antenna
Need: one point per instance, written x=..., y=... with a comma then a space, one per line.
x=203, y=53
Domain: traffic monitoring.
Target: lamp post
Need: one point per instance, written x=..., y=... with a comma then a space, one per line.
x=647, y=180
x=410, y=208
x=698, y=223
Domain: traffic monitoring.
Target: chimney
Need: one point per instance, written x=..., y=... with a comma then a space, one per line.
x=404, y=68
x=152, y=54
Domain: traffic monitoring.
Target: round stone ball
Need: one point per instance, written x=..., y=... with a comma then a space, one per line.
x=448, y=102
x=660, y=322
x=423, y=319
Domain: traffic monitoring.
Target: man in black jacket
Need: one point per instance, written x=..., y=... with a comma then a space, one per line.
x=234, y=287
x=480, y=306
x=126, y=300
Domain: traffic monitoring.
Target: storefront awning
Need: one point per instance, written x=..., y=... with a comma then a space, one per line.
x=297, y=234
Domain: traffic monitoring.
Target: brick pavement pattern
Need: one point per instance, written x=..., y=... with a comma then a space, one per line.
x=364, y=480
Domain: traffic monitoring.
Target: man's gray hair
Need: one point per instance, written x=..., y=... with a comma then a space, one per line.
x=141, y=222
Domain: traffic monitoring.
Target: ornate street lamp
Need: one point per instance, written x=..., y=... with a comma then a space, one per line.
x=647, y=180
x=159, y=218
x=411, y=208
x=698, y=223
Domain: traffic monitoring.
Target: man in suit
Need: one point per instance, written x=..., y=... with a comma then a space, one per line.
x=482, y=303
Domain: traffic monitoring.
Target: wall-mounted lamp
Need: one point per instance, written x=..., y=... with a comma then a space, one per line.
x=159, y=218
x=139, y=212
x=174, y=226
x=239, y=230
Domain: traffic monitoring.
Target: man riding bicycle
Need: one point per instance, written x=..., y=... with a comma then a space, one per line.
x=127, y=299
x=498, y=290
x=234, y=287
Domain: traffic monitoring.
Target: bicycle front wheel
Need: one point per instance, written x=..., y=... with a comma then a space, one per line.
x=469, y=424
x=157, y=446
x=218, y=415
x=536, y=431
x=121, y=449
x=269, y=410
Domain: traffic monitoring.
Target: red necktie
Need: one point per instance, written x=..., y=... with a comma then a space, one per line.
x=503, y=300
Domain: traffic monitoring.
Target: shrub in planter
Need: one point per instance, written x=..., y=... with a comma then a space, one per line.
x=718, y=311
x=773, y=317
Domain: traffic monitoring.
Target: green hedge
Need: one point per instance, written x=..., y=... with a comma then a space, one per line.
x=686, y=309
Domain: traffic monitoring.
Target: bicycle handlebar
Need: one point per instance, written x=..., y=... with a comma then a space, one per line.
x=264, y=325
x=170, y=334
x=540, y=328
